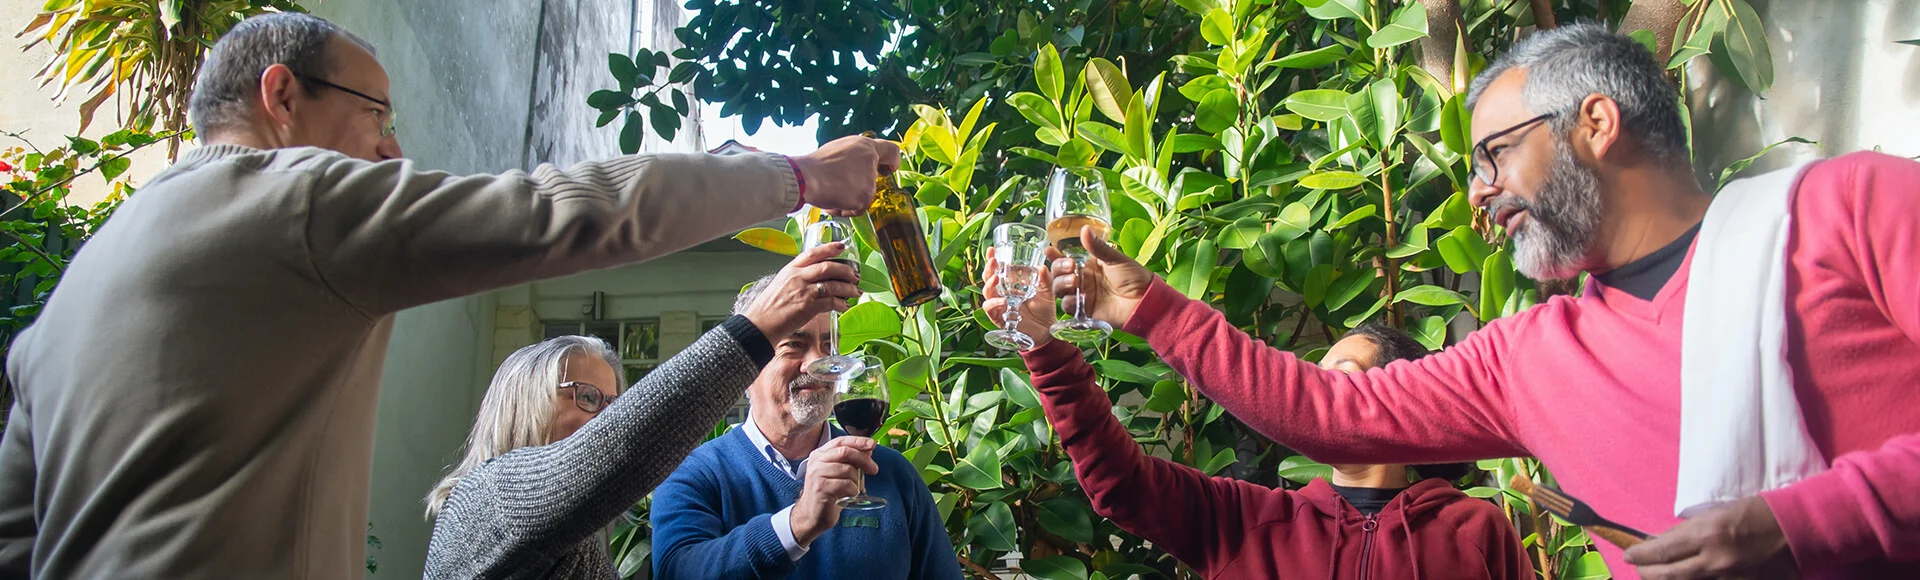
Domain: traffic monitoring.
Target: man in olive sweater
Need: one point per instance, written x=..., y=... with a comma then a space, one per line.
x=197, y=398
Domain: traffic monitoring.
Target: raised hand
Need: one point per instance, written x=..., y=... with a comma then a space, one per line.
x=840, y=175
x=1036, y=314
x=1111, y=283
x=831, y=474
x=806, y=287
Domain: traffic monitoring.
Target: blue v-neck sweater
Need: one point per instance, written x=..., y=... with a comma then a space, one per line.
x=713, y=519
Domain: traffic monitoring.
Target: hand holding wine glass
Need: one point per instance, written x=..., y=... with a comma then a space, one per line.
x=1109, y=286
x=1035, y=314
x=828, y=232
x=1076, y=208
x=1018, y=271
x=808, y=285
x=862, y=409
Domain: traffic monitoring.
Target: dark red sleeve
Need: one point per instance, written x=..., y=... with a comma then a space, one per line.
x=1446, y=407
x=1181, y=510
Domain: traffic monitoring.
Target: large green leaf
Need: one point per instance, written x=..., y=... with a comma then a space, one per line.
x=1265, y=257
x=1310, y=59
x=1055, y=567
x=769, y=239
x=1590, y=566
x=1167, y=396
x=1746, y=43
x=1336, y=9
x=1196, y=90
x=1409, y=24
x=1108, y=88
x=1322, y=105
x=1068, y=517
x=1137, y=129
x=1299, y=469
x=1217, y=27
x=980, y=470
x=1314, y=290
x=1218, y=110
x=1078, y=153
x=1430, y=295
x=1349, y=286
x=1195, y=269
x=994, y=527
x=1035, y=108
x=912, y=372
x=1018, y=389
x=1242, y=234
x=1048, y=73
x=1726, y=175
x=1354, y=217
x=867, y=321
x=1386, y=110
x=1294, y=221
x=1455, y=124
x=1463, y=249
x=1333, y=180
x=1712, y=25
x=1126, y=371
x=1496, y=284
x=1431, y=332
x=1102, y=135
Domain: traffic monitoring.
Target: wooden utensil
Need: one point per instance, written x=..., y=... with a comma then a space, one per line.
x=1578, y=513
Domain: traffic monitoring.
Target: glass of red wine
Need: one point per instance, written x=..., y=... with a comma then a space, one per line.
x=835, y=367
x=862, y=408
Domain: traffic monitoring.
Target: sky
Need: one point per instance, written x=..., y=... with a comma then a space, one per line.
x=774, y=138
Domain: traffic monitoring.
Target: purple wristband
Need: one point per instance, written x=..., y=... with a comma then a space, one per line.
x=799, y=177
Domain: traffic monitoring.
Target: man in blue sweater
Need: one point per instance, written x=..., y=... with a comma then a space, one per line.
x=759, y=502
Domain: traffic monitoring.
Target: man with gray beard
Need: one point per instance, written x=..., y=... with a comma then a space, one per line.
x=1736, y=379
x=762, y=500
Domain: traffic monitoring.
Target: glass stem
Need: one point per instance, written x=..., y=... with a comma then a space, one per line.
x=1079, y=296
x=1013, y=313
x=833, y=332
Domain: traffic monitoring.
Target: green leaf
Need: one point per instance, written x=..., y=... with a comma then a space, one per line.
x=1386, y=108
x=1068, y=517
x=1195, y=269
x=1219, y=461
x=1217, y=27
x=1314, y=290
x=1108, y=87
x=1746, y=43
x=1078, y=153
x=630, y=133
x=1454, y=123
x=1243, y=234
x=1701, y=41
x=1409, y=24
x=980, y=470
x=1139, y=141
x=1354, y=217
x=769, y=239
x=1019, y=389
x=1103, y=135
x=1332, y=180
x=623, y=70
x=1125, y=371
x=1337, y=9
x=1311, y=59
x=867, y=321
x=665, y=120
x=1726, y=175
x=1431, y=332
x=1590, y=566
x=1646, y=38
x=1294, y=221
x=112, y=167
x=974, y=59
x=1323, y=105
x=1035, y=108
x=604, y=99
x=1198, y=7
x=1349, y=286
x=1192, y=143
x=993, y=526
x=1496, y=284
x=1217, y=111
x=1167, y=396
x=1299, y=469
x=1056, y=567
x=1265, y=257
x=1430, y=295
x=1463, y=250
x=1048, y=72
x=1195, y=90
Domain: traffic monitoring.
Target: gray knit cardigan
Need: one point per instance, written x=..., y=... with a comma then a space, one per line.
x=535, y=512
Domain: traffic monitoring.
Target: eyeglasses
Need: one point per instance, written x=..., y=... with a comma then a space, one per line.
x=586, y=396
x=1484, y=167
x=386, y=123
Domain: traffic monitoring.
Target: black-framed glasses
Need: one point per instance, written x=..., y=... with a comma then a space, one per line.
x=386, y=123
x=1484, y=167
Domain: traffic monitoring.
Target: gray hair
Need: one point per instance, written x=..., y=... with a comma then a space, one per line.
x=1564, y=65
x=518, y=409
x=750, y=293
x=229, y=81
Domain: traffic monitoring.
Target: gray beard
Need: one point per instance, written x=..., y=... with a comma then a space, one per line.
x=1562, y=222
x=809, y=409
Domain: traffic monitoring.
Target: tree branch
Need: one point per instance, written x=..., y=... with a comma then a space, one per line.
x=1662, y=17
x=1444, y=24
x=977, y=568
x=1543, y=14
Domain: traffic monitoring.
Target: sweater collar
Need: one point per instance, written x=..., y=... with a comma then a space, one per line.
x=215, y=151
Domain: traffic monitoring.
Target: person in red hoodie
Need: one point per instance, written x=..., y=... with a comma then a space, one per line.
x=1367, y=523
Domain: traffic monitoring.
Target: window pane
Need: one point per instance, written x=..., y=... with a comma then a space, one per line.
x=557, y=330
x=607, y=331
x=641, y=341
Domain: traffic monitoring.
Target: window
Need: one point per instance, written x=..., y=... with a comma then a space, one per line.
x=637, y=341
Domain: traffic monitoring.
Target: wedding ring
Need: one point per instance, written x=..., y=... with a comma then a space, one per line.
x=819, y=290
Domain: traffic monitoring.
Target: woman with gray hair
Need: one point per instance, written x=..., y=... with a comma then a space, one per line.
x=557, y=453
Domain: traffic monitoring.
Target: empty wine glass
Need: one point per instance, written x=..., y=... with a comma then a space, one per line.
x=861, y=410
x=1077, y=198
x=834, y=367
x=1020, y=252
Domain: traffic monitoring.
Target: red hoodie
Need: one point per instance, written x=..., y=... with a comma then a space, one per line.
x=1226, y=528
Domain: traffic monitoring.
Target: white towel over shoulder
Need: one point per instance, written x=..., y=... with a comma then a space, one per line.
x=1741, y=431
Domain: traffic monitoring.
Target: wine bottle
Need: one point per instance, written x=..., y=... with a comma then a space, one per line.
x=902, y=244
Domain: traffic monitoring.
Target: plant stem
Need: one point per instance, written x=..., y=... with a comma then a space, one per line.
x=1393, y=228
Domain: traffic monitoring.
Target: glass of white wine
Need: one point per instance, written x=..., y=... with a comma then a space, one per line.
x=1020, y=252
x=1077, y=199
x=834, y=367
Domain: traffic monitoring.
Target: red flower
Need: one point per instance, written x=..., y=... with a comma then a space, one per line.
x=4, y=168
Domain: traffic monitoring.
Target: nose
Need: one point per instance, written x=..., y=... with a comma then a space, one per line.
x=389, y=147
x=1479, y=194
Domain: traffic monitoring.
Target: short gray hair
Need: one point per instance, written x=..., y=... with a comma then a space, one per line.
x=229, y=81
x=750, y=293
x=1566, y=64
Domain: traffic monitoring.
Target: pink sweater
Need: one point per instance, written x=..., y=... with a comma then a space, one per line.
x=1591, y=386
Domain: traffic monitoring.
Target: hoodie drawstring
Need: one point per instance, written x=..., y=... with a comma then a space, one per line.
x=1413, y=549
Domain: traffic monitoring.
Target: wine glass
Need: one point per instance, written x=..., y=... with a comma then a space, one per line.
x=837, y=366
x=1077, y=198
x=1020, y=252
x=862, y=408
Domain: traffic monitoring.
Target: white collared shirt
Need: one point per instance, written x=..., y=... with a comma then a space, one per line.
x=783, y=519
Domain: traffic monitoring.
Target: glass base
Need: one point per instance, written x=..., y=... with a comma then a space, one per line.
x=835, y=368
x=1082, y=331
x=862, y=502
x=1009, y=339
